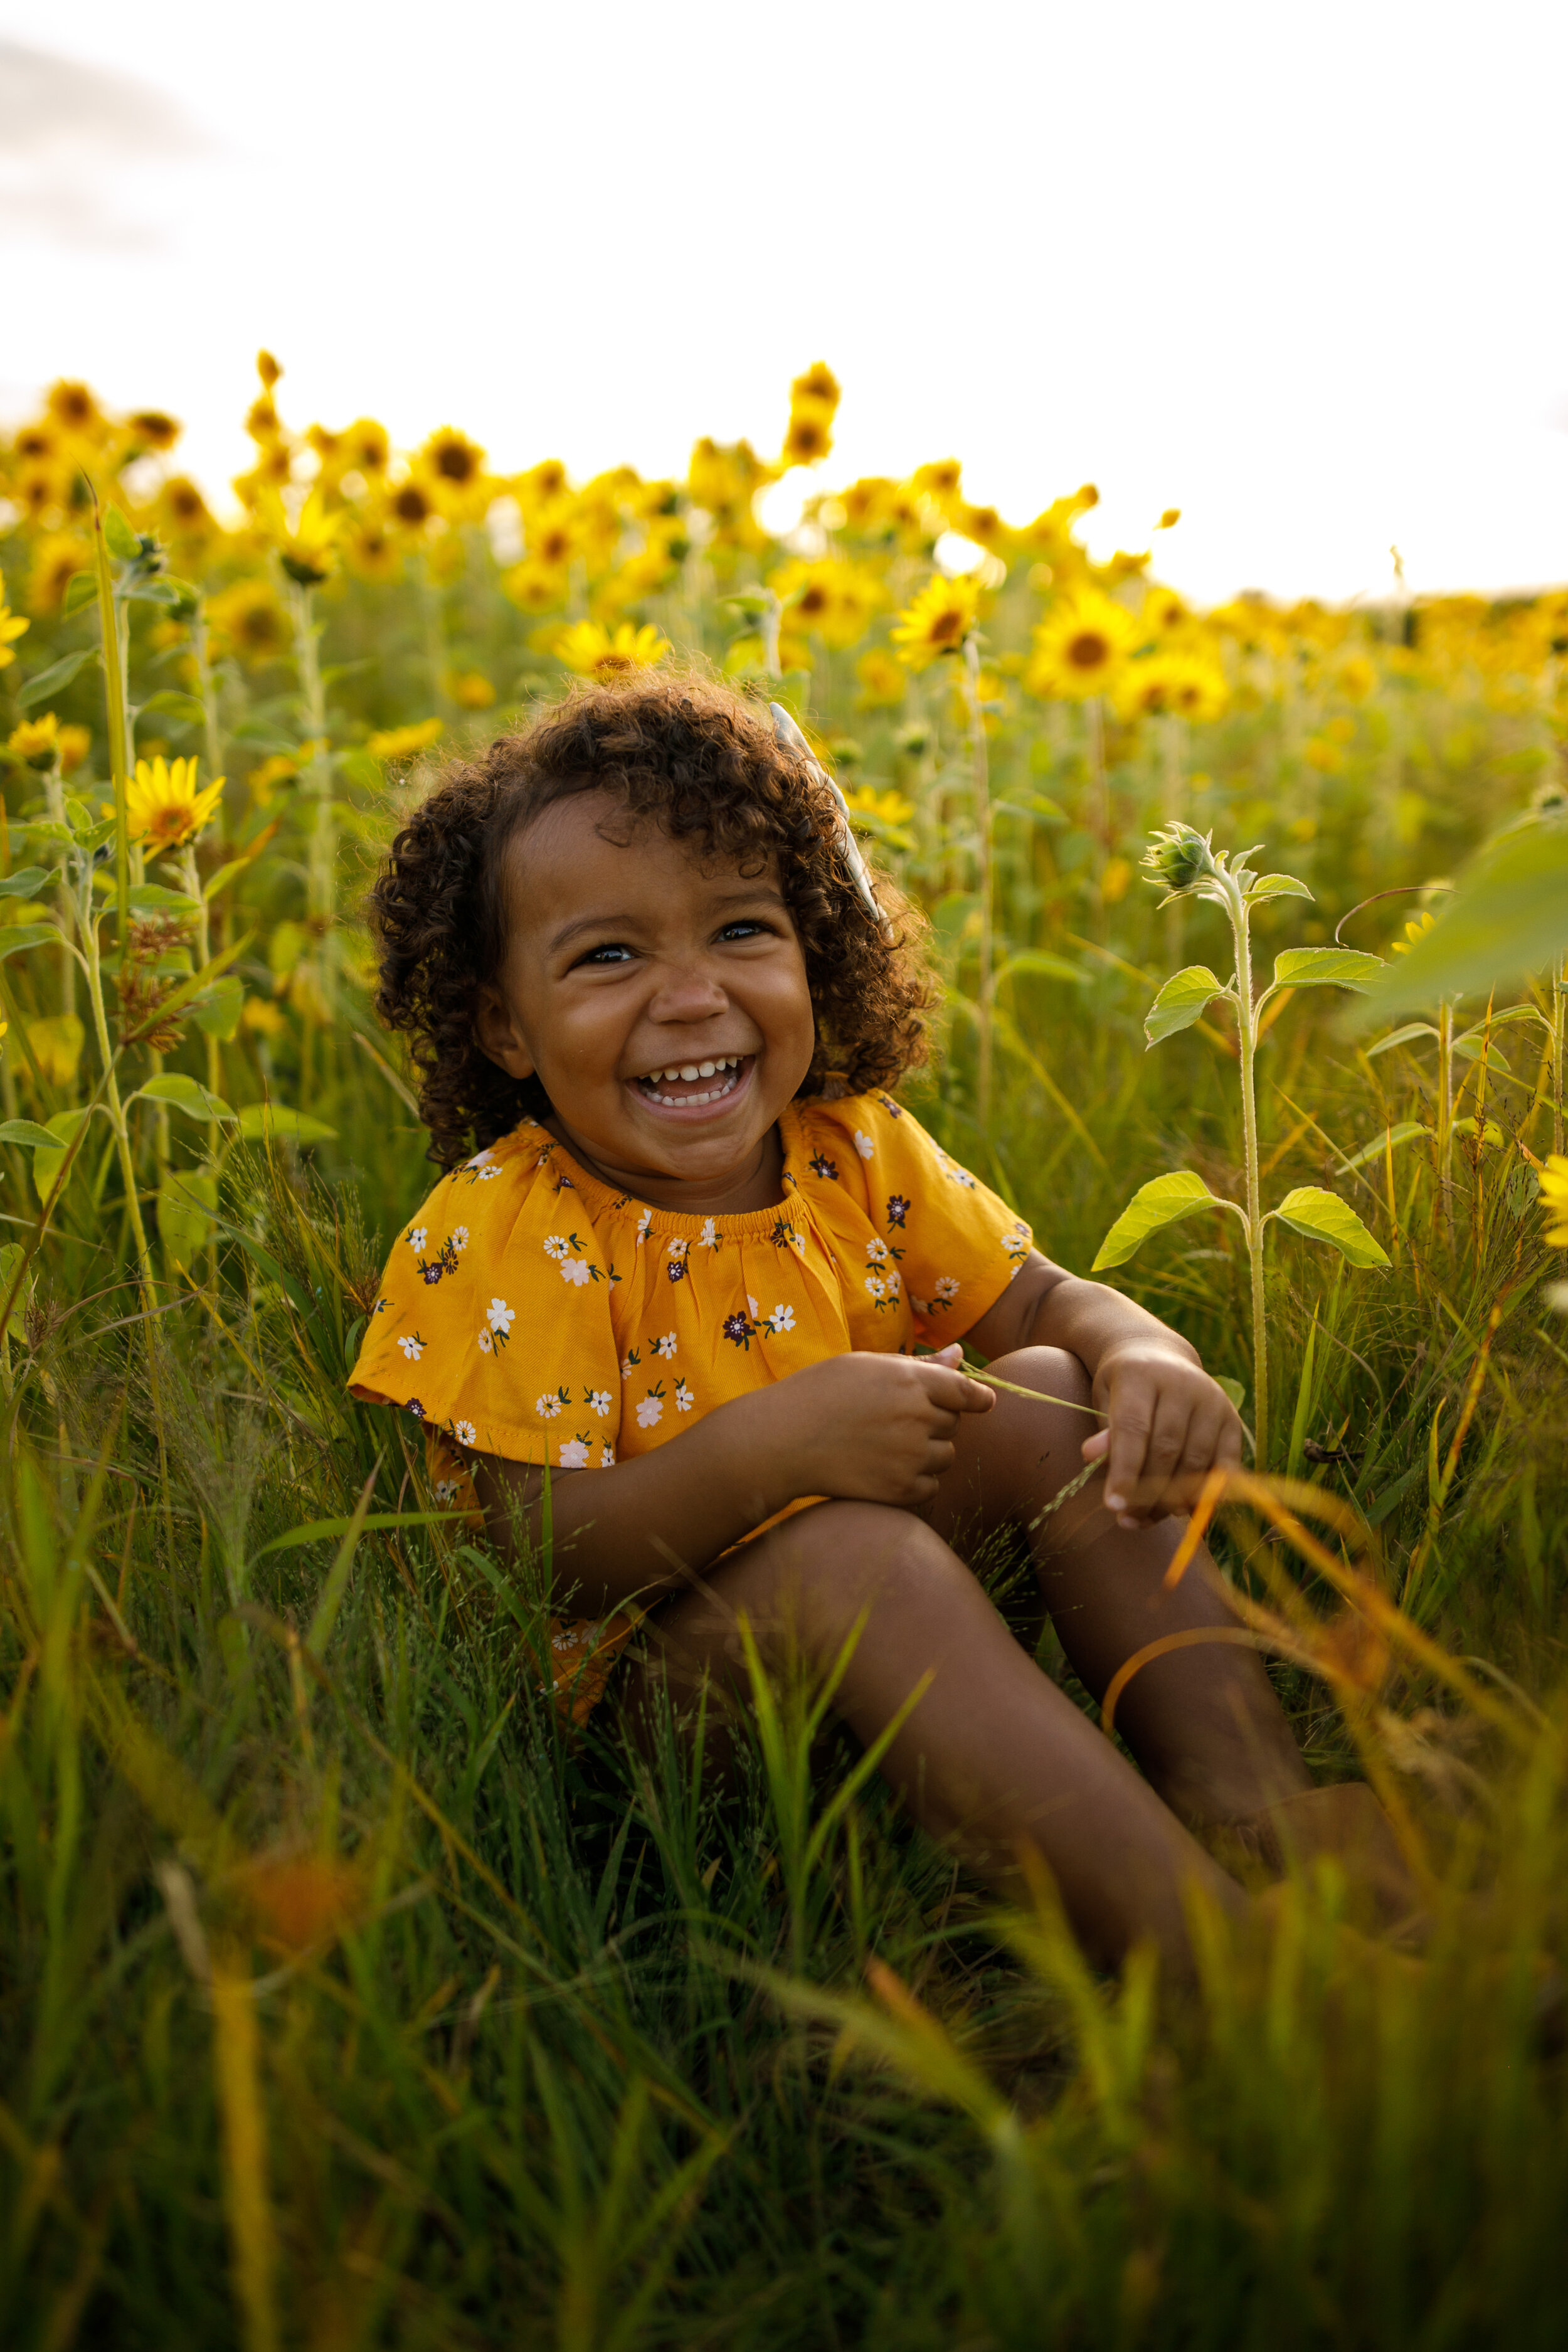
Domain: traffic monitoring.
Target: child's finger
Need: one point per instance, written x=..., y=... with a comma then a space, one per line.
x=954, y=1390
x=1152, y=1498
x=1130, y=1432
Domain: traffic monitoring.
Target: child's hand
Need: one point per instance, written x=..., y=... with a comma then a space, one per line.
x=1169, y=1425
x=873, y=1429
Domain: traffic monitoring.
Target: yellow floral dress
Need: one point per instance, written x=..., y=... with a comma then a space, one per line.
x=531, y=1312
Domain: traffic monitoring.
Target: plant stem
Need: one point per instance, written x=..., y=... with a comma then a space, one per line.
x=1445, y=1110
x=1094, y=713
x=114, y=701
x=981, y=771
x=1172, y=746
x=1558, y=1009
x=1246, y=1036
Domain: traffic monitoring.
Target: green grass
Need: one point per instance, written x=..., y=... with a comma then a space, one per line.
x=346, y=2002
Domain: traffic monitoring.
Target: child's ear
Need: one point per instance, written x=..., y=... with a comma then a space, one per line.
x=499, y=1036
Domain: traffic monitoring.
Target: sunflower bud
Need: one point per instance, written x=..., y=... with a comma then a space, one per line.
x=1178, y=855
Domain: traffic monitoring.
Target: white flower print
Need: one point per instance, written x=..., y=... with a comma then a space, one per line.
x=876, y=1287
x=684, y=1399
x=480, y=1158
x=650, y=1410
x=465, y=1433
x=953, y=1172
x=752, y=1309
x=664, y=1347
x=781, y=1320
x=876, y=1252
x=446, y=1491
x=598, y=1400
x=578, y=1270
x=1016, y=1243
x=413, y=1348
x=460, y=1237
x=630, y=1364
x=680, y=1246
x=606, y=1455
x=487, y=1344
x=709, y=1237
x=548, y=1408
x=557, y=1246
x=501, y=1317
x=575, y=1452
x=643, y=1223
x=947, y=1290
x=863, y=1143
x=417, y=1238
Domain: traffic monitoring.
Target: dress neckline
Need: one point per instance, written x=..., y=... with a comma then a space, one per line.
x=738, y=1225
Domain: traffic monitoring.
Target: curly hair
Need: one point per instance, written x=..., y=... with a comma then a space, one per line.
x=701, y=760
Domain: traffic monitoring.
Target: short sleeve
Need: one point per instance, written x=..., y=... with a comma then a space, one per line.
x=954, y=1246
x=492, y=1325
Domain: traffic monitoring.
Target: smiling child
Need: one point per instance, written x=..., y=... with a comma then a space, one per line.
x=686, y=1269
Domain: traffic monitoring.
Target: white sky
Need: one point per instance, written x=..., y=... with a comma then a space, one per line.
x=1295, y=269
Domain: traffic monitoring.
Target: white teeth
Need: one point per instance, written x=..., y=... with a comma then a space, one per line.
x=706, y=1069
x=690, y=1072
x=720, y=1067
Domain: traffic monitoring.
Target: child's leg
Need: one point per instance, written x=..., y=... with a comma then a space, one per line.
x=993, y=1758
x=1204, y=1722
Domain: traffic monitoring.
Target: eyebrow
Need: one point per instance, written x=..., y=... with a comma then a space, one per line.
x=759, y=894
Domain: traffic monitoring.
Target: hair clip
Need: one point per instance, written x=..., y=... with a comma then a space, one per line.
x=790, y=736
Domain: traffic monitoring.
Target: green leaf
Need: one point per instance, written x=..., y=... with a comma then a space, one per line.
x=81, y=590
x=1401, y=1037
x=1039, y=963
x=1389, y=1140
x=121, y=539
x=1159, y=1202
x=1491, y=1134
x=754, y=601
x=60, y=674
x=152, y=898
x=18, y=937
x=1472, y=1047
x=1277, y=886
x=1506, y=1018
x=1324, y=1217
x=23, y=884
x=187, y=1095
x=174, y=704
x=1234, y=1389
x=225, y=876
x=218, y=1010
x=1180, y=1001
x=1325, y=968
x=28, y=1134
x=257, y=1120
x=1508, y=917
x=151, y=592
x=187, y=1203
x=46, y=1165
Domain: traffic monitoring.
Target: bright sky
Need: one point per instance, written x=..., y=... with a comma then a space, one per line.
x=1295, y=270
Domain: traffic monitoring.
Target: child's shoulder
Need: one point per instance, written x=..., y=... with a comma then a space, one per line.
x=870, y=1135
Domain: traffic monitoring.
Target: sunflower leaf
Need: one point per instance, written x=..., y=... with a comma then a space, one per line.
x=1326, y=968
x=1323, y=1217
x=1157, y=1203
x=59, y=674
x=1184, y=998
x=187, y=1095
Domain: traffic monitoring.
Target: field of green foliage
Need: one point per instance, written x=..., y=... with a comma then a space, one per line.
x=345, y=2000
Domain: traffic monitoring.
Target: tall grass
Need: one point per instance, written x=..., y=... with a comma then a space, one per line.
x=346, y=1999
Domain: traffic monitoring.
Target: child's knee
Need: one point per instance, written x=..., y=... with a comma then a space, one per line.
x=1049, y=1371
x=825, y=1568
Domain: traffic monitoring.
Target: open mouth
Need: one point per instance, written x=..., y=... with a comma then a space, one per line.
x=694, y=1085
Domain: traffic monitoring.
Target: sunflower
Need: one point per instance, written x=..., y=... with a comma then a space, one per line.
x=939, y=483
x=453, y=467
x=818, y=382
x=830, y=598
x=1415, y=931
x=1164, y=611
x=12, y=626
x=554, y=534
x=403, y=742
x=305, y=541
x=250, y=619
x=536, y=587
x=937, y=622
x=888, y=807
x=1169, y=680
x=370, y=550
x=471, y=690
x=56, y=560
x=1080, y=646
x=73, y=406
x=183, y=511
x=1553, y=1182
x=366, y=447
x=153, y=429
x=38, y=444
x=36, y=742
x=809, y=435
x=163, y=806
x=410, y=507
x=590, y=649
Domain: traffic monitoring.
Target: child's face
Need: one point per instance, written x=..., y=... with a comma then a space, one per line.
x=661, y=999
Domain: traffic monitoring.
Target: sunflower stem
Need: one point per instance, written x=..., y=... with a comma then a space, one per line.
x=1247, y=1038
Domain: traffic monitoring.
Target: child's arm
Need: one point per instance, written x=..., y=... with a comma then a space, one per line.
x=1168, y=1423
x=871, y=1428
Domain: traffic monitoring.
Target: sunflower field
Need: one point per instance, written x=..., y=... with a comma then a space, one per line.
x=347, y=1998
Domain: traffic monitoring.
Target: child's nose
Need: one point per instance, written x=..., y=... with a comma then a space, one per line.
x=688, y=992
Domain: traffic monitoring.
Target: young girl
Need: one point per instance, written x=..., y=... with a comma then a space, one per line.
x=687, y=1269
